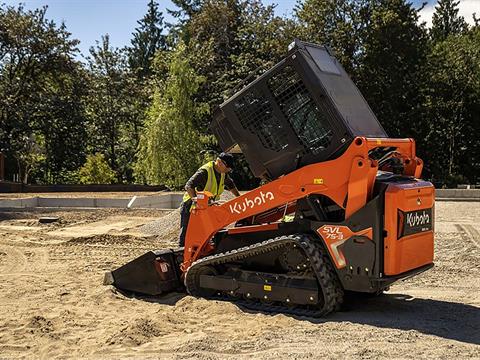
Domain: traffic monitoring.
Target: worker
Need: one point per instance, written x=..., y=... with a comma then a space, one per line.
x=212, y=177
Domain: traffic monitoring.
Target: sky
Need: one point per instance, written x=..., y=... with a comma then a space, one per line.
x=88, y=20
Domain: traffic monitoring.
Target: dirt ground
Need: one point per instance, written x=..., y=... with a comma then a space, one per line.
x=53, y=303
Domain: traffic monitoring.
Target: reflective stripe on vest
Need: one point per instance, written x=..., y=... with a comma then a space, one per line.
x=211, y=184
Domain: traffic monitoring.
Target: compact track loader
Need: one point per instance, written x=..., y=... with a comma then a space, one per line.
x=343, y=207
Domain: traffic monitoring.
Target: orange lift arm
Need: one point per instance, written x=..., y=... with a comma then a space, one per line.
x=347, y=180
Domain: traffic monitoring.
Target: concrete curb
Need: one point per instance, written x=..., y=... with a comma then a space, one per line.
x=163, y=201
x=457, y=194
x=172, y=200
x=458, y=199
x=19, y=203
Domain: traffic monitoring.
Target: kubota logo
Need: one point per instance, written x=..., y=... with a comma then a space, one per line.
x=416, y=220
x=242, y=206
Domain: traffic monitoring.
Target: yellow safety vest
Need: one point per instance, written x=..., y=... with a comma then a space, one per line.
x=211, y=185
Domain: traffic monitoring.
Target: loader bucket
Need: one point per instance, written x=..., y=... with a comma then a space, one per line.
x=153, y=273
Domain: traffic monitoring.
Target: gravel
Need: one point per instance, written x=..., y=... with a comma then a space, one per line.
x=168, y=226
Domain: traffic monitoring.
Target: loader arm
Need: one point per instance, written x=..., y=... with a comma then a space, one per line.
x=347, y=180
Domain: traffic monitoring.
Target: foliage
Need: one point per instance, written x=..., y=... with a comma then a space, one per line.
x=96, y=171
x=228, y=47
x=31, y=154
x=341, y=24
x=36, y=56
x=391, y=72
x=453, y=106
x=112, y=114
x=62, y=123
x=445, y=20
x=147, y=40
x=148, y=107
x=263, y=38
x=231, y=39
x=170, y=150
x=186, y=8
x=214, y=27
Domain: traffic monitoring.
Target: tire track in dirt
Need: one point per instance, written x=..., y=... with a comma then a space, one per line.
x=12, y=260
x=22, y=260
x=469, y=232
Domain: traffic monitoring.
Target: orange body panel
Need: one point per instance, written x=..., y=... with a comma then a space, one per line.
x=404, y=253
x=352, y=173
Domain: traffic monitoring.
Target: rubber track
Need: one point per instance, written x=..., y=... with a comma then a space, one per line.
x=320, y=263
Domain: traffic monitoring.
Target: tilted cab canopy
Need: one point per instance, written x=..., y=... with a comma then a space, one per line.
x=304, y=110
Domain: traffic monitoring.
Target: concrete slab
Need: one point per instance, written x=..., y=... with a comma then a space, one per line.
x=446, y=193
x=162, y=201
x=66, y=202
x=172, y=200
x=457, y=194
x=110, y=203
x=19, y=203
x=154, y=201
x=176, y=200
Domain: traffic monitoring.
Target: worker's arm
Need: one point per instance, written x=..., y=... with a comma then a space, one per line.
x=197, y=181
x=191, y=192
x=230, y=186
x=234, y=191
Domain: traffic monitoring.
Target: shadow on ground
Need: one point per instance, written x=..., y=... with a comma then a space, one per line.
x=449, y=320
x=168, y=299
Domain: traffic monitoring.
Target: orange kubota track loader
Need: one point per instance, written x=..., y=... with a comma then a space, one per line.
x=343, y=208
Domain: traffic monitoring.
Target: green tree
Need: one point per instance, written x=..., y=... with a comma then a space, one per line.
x=391, y=72
x=33, y=51
x=232, y=40
x=170, y=150
x=453, y=108
x=113, y=121
x=263, y=39
x=96, y=171
x=30, y=155
x=62, y=122
x=147, y=40
x=186, y=8
x=214, y=28
x=445, y=20
x=340, y=24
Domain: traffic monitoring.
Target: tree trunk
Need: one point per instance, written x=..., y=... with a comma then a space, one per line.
x=20, y=170
x=25, y=177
